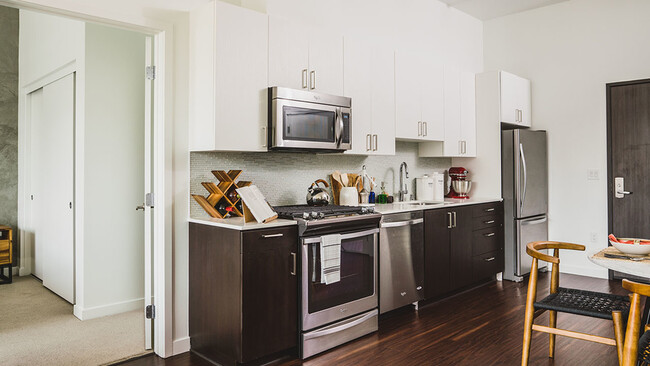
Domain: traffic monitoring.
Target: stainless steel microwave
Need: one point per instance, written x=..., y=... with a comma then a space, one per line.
x=303, y=120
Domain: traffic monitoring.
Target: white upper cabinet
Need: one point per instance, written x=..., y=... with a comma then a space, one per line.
x=515, y=104
x=419, y=97
x=228, y=78
x=459, y=117
x=369, y=79
x=301, y=57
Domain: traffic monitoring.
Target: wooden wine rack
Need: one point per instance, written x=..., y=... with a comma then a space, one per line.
x=218, y=193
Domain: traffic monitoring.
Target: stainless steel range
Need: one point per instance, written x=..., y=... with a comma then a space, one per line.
x=339, y=274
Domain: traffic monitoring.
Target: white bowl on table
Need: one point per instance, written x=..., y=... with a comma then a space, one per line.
x=631, y=248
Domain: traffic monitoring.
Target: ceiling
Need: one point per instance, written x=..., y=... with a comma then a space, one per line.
x=488, y=9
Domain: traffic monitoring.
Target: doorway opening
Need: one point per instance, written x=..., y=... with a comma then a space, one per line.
x=85, y=151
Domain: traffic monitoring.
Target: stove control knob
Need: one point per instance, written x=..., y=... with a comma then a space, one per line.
x=364, y=210
x=371, y=210
x=305, y=215
x=314, y=215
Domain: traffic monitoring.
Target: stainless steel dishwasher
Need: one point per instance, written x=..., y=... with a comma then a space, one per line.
x=401, y=260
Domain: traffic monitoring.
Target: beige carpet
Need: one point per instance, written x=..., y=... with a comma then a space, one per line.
x=38, y=328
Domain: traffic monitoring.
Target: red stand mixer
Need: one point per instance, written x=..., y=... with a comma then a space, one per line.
x=459, y=185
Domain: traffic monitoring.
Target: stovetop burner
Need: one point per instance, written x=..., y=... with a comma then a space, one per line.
x=307, y=212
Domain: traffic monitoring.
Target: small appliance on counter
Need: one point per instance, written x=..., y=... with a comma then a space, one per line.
x=460, y=185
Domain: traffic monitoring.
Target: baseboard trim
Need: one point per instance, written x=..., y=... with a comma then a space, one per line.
x=110, y=309
x=180, y=345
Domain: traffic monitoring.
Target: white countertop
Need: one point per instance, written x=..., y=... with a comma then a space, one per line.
x=237, y=223
x=397, y=207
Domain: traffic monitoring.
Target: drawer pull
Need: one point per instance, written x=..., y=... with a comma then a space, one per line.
x=489, y=222
x=403, y=293
x=489, y=209
x=489, y=259
x=488, y=234
x=273, y=236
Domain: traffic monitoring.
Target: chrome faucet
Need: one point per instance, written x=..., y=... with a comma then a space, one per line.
x=403, y=182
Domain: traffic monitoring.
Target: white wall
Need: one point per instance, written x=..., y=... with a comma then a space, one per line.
x=113, y=170
x=570, y=51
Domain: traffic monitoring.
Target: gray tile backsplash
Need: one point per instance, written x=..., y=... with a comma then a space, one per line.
x=283, y=177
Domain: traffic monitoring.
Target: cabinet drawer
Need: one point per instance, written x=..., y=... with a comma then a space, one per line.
x=486, y=265
x=267, y=239
x=487, y=209
x=487, y=240
x=483, y=222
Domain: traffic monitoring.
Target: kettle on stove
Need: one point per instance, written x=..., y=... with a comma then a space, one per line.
x=317, y=196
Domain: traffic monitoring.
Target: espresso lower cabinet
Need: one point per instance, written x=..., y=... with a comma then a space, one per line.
x=243, y=293
x=463, y=245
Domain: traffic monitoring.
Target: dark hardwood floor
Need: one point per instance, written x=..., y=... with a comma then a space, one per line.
x=483, y=326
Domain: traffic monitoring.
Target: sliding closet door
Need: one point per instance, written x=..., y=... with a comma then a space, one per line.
x=53, y=183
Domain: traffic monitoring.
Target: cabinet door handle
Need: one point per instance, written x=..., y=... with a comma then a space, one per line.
x=489, y=222
x=419, y=128
x=489, y=209
x=455, y=219
x=368, y=142
x=488, y=235
x=464, y=147
x=312, y=79
x=304, y=78
x=374, y=145
x=449, y=225
x=425, y=130
x=268, y=236
x=293, y=256
x=489, y=259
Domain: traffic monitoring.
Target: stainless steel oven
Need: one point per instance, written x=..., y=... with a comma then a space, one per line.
x=303, y=120
x=338, y=312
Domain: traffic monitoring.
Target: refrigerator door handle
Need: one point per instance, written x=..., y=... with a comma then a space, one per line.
x=523, y=163
x=534, y=222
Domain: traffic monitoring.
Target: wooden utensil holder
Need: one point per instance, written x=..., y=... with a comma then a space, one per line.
x=218, y=193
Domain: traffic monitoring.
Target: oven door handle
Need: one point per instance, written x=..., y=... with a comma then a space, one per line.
x=359, y=234
x=342, y=327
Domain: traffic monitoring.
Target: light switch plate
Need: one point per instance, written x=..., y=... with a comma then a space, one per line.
x=593, y=174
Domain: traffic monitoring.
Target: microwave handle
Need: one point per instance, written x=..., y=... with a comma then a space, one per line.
x=339, y=121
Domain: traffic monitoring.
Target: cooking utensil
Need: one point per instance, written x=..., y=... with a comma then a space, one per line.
x=344, y=180
x=317, y=196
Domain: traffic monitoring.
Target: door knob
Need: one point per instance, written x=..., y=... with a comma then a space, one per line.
x=619, y=187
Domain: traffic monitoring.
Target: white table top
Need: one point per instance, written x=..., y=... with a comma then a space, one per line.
x=635, y=268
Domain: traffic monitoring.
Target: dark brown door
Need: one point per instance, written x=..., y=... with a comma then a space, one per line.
x=269, y=292
x=436, y=253
x=461, y=247
x=628, y=123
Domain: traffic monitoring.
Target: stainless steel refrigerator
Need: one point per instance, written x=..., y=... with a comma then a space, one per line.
x=524, y=173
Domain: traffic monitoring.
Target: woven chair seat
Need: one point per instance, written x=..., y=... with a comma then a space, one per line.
x=587, y=303
x=644, y=349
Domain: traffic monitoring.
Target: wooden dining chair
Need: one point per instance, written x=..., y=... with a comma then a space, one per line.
x=639, y=293
x=566, y=300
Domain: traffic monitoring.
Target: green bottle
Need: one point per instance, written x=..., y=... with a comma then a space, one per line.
x=382, y=197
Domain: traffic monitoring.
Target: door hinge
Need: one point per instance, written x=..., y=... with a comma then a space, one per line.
x=150, y=312
x=149, y=199
x=151, y=72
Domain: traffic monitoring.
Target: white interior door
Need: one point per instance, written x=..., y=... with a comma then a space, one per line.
x=55, y=230
x=148, y=187
x=38, y=145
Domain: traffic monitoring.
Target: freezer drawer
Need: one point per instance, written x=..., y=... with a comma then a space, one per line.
x=528, y=230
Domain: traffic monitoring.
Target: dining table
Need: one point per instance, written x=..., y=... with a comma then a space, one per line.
x=635, y=265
